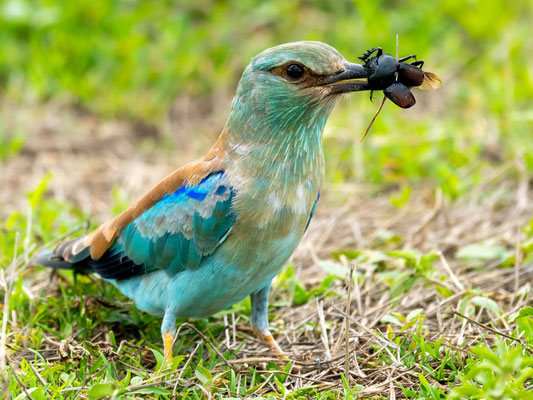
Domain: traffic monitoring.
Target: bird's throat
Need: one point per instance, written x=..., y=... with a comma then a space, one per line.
x=281, y=147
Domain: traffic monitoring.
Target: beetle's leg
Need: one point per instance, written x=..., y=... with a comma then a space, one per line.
x=366, y=56
x=418, y=64
x=403, y=59
x=372, y=96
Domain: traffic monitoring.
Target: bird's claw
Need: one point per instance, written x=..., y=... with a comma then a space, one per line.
x=269, y=341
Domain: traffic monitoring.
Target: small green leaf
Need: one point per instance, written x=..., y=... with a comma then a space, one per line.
x=487, y=303
x=334, y=268
x=524, y=320
x=37, y=194
x=482, y=251
x=136, y=380
x=390, y=319
x=155, y=390
x=328, y=281
x=345, y=383
x=159, y=357
x=101, y=390
x=280, y=386
x=400, y=199
x=300, y=295
x=525, y=312
x=414, y=313
x=112, y=338
x=203, y=374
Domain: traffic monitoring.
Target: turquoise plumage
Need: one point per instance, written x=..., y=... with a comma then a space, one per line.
x=219, y=229
x=182, y=228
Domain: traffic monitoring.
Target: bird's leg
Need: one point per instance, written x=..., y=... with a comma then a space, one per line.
x=168, y=331
x=260, y=320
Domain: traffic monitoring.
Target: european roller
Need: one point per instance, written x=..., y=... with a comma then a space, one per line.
x=220, y=228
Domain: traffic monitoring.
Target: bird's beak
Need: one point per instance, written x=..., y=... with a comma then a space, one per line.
x=350, y=79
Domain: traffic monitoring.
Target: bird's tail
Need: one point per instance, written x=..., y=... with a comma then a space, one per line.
x=70, y=254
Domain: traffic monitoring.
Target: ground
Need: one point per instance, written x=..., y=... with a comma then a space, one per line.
x=434, y=293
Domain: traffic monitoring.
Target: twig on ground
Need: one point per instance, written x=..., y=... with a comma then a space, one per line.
x=323, y=328
x=349, y=280
x=450, y=272
x=490, y=329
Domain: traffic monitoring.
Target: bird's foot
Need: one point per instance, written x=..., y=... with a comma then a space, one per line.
x=269, y=341
x=168, y=341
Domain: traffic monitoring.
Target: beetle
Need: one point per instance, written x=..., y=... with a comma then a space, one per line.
x=381, y=68
x=396, y=77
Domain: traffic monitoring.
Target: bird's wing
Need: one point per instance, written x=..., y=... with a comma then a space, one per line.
x=157, y=210
x=174, y=234
x=191, y=174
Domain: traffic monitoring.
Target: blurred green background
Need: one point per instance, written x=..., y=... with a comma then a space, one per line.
x=132, y=59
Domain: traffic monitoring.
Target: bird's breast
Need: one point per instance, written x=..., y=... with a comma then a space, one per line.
x=274, y=204
x=271, y=217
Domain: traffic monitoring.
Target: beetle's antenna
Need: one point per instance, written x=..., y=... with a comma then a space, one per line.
x=373, y=119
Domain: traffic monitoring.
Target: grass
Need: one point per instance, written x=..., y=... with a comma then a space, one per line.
x=430, y=215
x=417, y=328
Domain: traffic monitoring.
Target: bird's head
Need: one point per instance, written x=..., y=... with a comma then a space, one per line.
x=293, y=86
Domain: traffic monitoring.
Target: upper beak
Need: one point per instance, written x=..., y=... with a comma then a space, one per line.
x=344, y=81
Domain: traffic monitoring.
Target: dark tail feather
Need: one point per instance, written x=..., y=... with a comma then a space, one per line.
x=62, y=257
x=47, y=258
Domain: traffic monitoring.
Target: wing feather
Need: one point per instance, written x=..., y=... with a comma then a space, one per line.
x=177, y=233
x=170, y=227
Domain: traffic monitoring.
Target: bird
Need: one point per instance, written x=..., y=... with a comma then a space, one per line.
x=220, y=228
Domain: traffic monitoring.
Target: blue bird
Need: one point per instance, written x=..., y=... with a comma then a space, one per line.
x=220, y=228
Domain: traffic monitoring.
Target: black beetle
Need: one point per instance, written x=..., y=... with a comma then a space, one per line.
x=394, y=77
x=381, y=68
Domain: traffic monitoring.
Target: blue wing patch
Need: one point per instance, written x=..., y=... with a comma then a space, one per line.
x=174, y=234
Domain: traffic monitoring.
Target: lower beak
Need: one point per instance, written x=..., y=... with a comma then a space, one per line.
x=347, y=80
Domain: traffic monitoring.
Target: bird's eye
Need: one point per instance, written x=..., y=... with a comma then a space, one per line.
x=294, y=71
